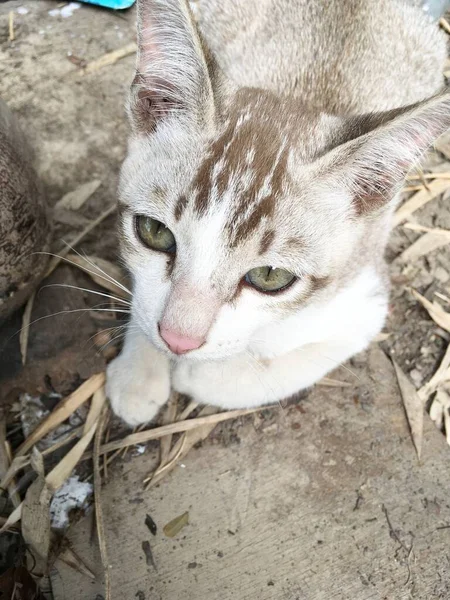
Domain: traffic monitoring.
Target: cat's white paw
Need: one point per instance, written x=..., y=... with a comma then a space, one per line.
x=136, y=394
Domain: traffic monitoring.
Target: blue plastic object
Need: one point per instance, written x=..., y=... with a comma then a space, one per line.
x=116, y=4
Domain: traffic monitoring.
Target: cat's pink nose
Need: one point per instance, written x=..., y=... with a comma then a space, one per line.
x=179, y=344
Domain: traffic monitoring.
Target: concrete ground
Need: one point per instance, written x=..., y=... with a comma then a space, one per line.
x=323, y=499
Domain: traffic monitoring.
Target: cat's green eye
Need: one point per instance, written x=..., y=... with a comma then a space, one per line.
x=155, y=234
x=268, y=279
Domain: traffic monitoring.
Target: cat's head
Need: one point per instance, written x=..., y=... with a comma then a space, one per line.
x=238, y=207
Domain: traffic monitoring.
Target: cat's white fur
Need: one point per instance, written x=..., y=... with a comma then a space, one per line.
x=322, y=183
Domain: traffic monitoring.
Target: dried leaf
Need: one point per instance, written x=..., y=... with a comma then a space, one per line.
x=435, y=310
x=381, y=337
x=110, y=58
x=13, y=518
x=418, y=227
x=425, y=244
x=63, y=410
x=168, y=417
x=98, y=505
x=107, y=273
x=414, y=408
x=184, y=414
x=36, y=523
x=18, y=463
x=158, y=432
x=70, y=218
x=25, y=330
x=436, y=187
x=444, y=24
x=435, y=175
x=176, y=525
x=71, y=559
x=64, y=468
x=441, y=375
x=447, y=425
x=12, y=35
x=442, y=297
x=5, y=463
x=187, y=441
x=439, y=407
x=329, y=382
x=74, y=200
x=442, y=144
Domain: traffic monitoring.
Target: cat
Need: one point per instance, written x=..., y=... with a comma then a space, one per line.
x=269, y=144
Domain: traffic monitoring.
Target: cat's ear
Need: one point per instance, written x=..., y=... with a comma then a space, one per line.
x=172, y=75
x=382, y=148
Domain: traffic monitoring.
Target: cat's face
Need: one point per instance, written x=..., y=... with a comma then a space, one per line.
x=235, y=203
x=234, y=218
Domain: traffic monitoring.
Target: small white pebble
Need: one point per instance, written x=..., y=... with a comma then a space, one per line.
x=22, y=10
x=183, y=466
x=67, y=11
x=416, y=377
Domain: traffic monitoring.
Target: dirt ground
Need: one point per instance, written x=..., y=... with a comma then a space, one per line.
x=76, y=123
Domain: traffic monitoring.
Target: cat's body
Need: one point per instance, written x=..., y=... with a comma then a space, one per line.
x=342, y=57
x=249, y=147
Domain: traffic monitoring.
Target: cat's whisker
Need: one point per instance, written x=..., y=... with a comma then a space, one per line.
x=112, y=340
x=340, y=364
x=95, y=266
x=83, y=268
x=75, y=310
x=75, y=287
x=106, y=330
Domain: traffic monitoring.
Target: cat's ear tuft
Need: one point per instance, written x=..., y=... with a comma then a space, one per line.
x=172, y=75
x=382, y=149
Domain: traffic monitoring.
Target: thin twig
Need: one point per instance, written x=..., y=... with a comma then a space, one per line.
x=392, y=531
x=98, y=504
x=110, y=58
x=25, y=330
x=105, y=457
x=444, y=24
x=63, y=410
x=12, y=36
x=23, y=461
x=444, y=175
x=158, y=432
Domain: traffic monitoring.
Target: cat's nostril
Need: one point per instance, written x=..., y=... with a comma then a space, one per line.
x=179, y=344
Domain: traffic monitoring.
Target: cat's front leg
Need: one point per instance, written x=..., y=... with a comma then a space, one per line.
x=244, y=381
x=138, y=380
